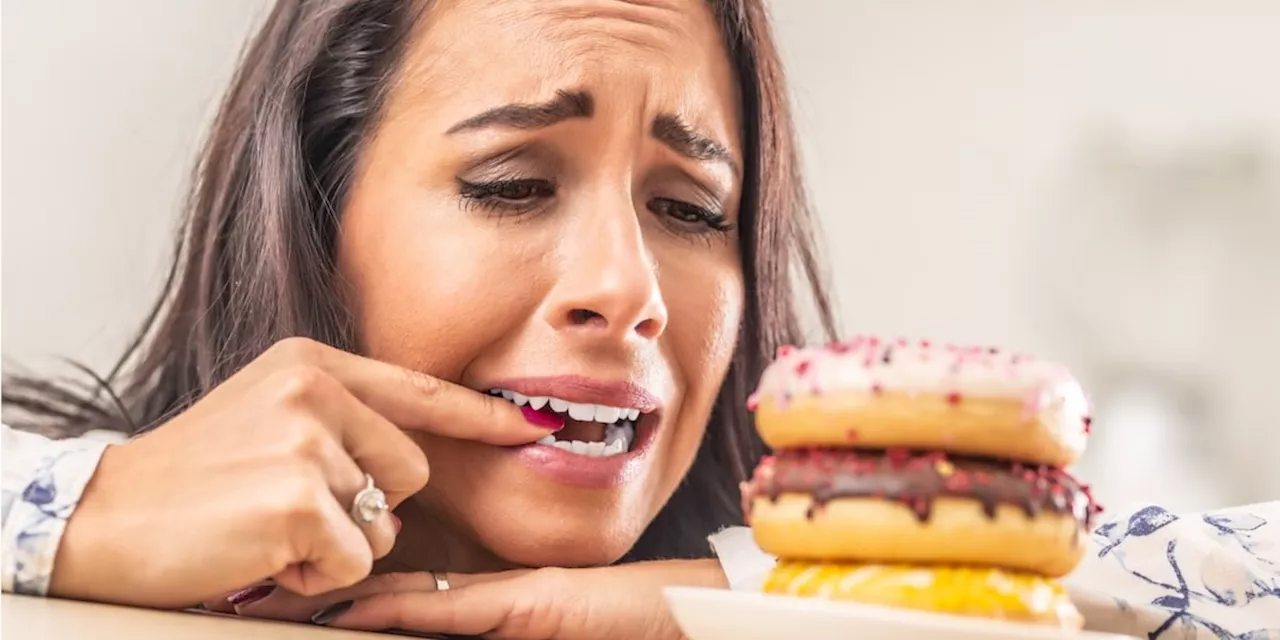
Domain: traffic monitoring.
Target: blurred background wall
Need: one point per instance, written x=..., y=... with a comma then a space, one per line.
x=1096, y=181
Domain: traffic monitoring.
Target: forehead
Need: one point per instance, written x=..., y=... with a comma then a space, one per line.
x=669, y=54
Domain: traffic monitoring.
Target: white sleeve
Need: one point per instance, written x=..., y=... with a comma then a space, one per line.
x=43, y=480
x=1147, y=572
x=744, y=564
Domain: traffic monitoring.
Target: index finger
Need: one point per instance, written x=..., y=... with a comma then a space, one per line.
x=416, y=401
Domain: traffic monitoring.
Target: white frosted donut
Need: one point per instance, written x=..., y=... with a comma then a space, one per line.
x=873, y=393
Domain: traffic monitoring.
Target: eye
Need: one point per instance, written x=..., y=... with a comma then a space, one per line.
x=690, y=214
x=510, y=195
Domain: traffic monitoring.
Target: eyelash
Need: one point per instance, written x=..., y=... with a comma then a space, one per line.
x=497, y=197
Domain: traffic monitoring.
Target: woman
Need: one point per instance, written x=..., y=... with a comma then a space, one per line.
x=510, y=267
x=566, y=201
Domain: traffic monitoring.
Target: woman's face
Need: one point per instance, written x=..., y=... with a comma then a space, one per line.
x=549, y=207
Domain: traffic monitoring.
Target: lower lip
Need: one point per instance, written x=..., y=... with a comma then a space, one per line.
x=569, y=468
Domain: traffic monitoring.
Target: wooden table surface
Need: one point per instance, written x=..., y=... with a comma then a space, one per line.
x=24, y=617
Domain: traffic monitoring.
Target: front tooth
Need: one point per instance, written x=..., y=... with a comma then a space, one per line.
x=579, y=447
x=537, y=402
x=595, y=449
x=558, y=405
x=547, y=439
x=582, y=412
x=608, y=415
x=615, y=447
x=633, y=414
x=519, y=398
x=506, y=394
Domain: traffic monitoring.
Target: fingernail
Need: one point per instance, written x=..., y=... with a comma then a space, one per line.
x=331, y=612
x=395, y=522
x=250, y=595
x=545, y=417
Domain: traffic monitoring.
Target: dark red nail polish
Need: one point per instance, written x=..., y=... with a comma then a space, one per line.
x=331, y=612
x=544, y=417
x=250, y=595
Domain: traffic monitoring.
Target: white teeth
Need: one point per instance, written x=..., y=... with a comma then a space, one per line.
x=608, y=415
x=617, y=439
x=582, y=412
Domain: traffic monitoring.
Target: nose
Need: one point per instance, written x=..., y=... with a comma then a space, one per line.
x=608, y=281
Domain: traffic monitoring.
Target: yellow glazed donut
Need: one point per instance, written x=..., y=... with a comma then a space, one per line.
x=918, y=508
x=976, y=592
x=871, y=393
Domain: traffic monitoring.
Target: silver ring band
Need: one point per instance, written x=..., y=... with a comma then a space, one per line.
x=369, y=503
x=442, y=580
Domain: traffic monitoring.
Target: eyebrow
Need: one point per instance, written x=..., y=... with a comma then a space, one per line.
x=566, y=105
x=686, y=141
x=668, y=129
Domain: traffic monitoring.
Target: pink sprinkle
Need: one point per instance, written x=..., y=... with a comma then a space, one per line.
x=925, y=344
x=877, y=389
x=953, y=398
x=803, y=367
x=753, y=402
x=1088, y=424
x=902, y=342
x=785, y=350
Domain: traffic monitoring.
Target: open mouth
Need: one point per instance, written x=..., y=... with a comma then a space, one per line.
x=591, y=430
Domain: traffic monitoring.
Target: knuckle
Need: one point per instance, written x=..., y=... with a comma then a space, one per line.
x=299, y=386
x=297, y=349
x=306, y=441
x=427, y=385
x=417, y=470
x=302, y=502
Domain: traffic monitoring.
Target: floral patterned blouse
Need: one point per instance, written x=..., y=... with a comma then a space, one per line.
x=1149, y=573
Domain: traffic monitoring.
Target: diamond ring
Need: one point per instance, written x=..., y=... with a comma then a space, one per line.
x=369, y=503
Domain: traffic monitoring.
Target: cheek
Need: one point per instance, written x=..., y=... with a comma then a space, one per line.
x=706, y=312
x=425, y=286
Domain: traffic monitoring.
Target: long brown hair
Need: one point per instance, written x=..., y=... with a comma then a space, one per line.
x=255, y=261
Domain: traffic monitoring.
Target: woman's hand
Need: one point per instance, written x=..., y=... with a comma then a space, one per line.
x=256, y=480
x=622, y=602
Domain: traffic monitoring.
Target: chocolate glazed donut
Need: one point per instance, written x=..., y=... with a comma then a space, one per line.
x=916, y=480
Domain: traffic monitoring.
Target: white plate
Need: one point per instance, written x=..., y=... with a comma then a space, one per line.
x=718, y=614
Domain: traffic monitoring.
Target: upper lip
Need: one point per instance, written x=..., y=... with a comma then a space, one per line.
x=583, y=390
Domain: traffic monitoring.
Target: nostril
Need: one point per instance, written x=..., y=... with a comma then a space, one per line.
x=585, y=316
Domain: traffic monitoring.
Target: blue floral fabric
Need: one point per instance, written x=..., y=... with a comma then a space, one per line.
x=42, y=483
x=1166, y=576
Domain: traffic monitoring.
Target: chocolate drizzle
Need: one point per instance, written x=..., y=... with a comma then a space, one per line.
x=917, y=479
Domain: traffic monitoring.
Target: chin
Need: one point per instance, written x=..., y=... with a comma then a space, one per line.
x=560, y=535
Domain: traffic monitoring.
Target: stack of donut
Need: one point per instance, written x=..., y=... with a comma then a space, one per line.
x=922, y=476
